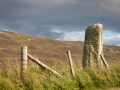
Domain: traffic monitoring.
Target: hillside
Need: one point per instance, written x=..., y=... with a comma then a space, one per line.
x=49, y=51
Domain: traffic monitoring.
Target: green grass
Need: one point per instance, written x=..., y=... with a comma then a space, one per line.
x=39, y=79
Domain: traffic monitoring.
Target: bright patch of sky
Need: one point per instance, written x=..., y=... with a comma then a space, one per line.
x=109, y=33
x=73, y=36
x=108, y=37
x=111, y=38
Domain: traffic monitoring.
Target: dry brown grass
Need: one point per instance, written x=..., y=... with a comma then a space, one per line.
x=49, y=51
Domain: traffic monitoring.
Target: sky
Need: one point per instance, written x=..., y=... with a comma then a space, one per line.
x=61, y=19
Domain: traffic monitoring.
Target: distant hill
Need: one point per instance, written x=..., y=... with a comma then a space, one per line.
x=49, y=51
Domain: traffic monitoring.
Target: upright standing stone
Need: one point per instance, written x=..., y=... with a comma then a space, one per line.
x=93, y=46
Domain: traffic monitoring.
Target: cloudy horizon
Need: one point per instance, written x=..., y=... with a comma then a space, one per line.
x=61, y=19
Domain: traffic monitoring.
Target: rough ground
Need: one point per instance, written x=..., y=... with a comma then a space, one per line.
x=115, y=89
x=49, y=51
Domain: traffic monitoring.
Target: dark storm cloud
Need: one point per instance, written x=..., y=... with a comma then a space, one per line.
x=40, y=17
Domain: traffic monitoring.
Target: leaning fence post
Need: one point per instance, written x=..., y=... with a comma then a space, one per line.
x=43, y=65
x=23, y=60
x=105, y=63
x=71, y=63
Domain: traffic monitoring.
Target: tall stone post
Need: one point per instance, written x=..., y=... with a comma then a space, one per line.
x=93, y=46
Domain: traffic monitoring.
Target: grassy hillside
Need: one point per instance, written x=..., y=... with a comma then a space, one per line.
x=49, y=51
x=40, y=79
x=53, y=53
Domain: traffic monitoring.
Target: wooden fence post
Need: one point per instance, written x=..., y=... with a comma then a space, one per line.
x=71, y=63
x=23, y=60
x=105, y=63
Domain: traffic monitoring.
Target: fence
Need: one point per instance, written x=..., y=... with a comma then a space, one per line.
x=92, y=52
x=25, y=56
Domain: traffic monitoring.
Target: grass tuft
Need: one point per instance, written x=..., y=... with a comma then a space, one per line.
x=39, y=79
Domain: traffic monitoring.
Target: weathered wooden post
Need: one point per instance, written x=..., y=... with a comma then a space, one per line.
x=23, y=61
x=44, y=66
x=105, y=63
x=93, y=47
x=71, y=63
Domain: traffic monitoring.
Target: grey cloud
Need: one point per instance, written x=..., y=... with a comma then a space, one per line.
x=113, y=40
x=40, y=17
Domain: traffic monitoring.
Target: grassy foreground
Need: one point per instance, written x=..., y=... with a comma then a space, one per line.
x=40, y=79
